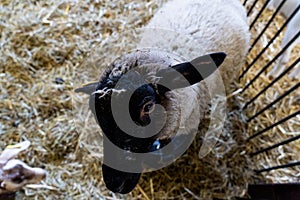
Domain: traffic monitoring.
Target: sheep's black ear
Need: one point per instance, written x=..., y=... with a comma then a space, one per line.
x=88, y=88
x=190, y=72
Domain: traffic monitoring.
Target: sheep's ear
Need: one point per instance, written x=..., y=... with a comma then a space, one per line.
x=190, y=72
x=12, y=151
x=88, y=88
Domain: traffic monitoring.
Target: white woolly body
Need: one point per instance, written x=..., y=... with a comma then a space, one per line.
x=192, y=28
x=189, y=29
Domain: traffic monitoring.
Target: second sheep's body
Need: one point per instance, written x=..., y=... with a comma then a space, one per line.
x=178, y=33
x=292, y=30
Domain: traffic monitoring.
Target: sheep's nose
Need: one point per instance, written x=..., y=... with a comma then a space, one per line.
x=119, y=181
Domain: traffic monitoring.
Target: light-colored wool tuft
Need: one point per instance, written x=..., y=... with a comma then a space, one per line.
x=15, y=174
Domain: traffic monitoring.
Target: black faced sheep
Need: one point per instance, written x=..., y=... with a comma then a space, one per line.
x=152, y=98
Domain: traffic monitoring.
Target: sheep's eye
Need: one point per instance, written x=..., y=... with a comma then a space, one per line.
x=148, y=107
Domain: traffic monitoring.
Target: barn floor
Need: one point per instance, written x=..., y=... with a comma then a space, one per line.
x=48, y=48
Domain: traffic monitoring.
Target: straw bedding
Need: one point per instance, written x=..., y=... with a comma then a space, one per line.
x=290, y=104
x=48, y=48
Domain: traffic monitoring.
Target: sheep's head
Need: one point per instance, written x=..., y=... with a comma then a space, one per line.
x=14, y=174
x=129, y=104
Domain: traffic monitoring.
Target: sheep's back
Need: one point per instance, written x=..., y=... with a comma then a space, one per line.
x=193, y=28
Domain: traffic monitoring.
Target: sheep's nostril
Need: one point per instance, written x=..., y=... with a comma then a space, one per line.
x=155, y=146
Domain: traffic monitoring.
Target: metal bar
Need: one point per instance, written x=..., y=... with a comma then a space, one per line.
x=267, y=25
x=272, y=83
x=270, y=42
x=252, y=7
x=275, y=145
x=259, y=14
x=293, y=164
x=274, y=102
x=273, y=125
x=245, y=2
x=290, y=191
x=273, y=60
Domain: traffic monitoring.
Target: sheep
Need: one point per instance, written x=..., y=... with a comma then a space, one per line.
x=14, y=173
x=153, y=98
x=292, y=28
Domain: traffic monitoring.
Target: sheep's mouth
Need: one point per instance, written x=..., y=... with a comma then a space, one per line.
x=123, y=182
x=119, y=181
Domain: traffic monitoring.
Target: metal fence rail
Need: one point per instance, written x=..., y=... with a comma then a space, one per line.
x=262, y=70
x=269, y=44
x=259, y=13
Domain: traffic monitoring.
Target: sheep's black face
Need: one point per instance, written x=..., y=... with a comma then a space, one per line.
x=141, y=105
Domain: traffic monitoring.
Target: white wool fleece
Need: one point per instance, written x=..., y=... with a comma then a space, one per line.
x=192, y=28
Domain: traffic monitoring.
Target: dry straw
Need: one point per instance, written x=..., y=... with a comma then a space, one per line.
x=287, y=106
x=49, y=47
